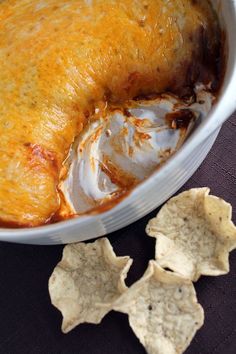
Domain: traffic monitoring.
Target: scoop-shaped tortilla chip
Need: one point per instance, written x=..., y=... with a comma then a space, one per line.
x=194, y=234
x=87, y=281
x=163, y=310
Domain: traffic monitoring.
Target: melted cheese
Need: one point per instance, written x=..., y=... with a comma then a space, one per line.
x=59, y=59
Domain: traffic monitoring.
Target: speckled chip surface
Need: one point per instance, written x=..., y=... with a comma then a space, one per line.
x=194, y=234
x=87, y=281
x=163, y=310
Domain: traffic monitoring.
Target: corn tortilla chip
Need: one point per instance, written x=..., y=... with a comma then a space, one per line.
x=87, y=281
x=194, y=234
x=163, y=310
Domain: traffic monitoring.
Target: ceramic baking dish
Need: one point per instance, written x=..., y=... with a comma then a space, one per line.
x=162, y=184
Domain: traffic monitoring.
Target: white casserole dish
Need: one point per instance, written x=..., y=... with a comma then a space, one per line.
x=162, y=184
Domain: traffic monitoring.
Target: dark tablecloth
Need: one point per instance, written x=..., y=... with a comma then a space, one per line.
x=29, y=324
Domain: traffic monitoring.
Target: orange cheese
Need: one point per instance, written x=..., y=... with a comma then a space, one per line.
x=59, y=58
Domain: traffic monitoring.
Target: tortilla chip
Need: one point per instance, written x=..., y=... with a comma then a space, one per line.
x=163, y=310
x=87, y=281
x=194, y=234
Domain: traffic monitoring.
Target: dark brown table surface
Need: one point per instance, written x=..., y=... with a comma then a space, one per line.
x=29, y=324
